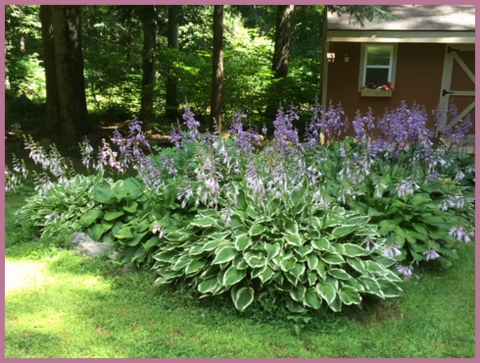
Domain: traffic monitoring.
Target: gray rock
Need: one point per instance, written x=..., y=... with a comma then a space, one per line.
x=93, y=249
x=78, y=237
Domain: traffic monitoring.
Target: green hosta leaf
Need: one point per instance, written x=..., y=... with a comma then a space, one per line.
x=298, y=270
x=224, y=254
x=342, y=231
x=302, y=251
x=183, y=261
x=421, y=198
x=349, y=295
x=312, y=278
x=125, y=232
x=166, y=256
x=194, y=267
x=242, y=200
x=111, y=215
x=294, y=239
x=294, y=307
x=291, y=228
x=357, y=264
x=336, y=305
x=312, y=299
x=203, y=222
x=312, y=261
x=256, y=229
x=240, y=263
x=326, y=291
x=233, y=276
x=330, y=220
x=332, y=258
x=151, y=243
x=90, y=217
x=243, y=298
x=252, y=213
x=96, y=231
x=375, y=268
x=132, y=187
x=339, y=274
x=386, y=226
x=211, y=245
x=355, y=283
x=242, y=242
x=321, y=269
x=103, y=194
x=255, y=259
x=358, y=220
x=297, y=194
x=298, y=292
x=266, y=274
x=374, y=213
x=136, y=239
x=321, y=244
x=209, y=285
x=316, y=223
x=338, y=248
x=288, y=263
x=131, y=208
x=389, y=288
x=352, y=250
x=272, y=249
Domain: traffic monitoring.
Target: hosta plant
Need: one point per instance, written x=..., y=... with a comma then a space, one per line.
x=293, y=249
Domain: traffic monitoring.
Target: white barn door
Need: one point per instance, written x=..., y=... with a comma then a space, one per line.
x=458, y=83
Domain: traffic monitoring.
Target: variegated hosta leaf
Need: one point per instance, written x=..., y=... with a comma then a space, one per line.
x=256, y=229
x=242, y=297
x=242, y=242
x=321, y=244
x=352, y=250
x=341, y=231
x=303, y=250
x=294, y=239
x=312, y=299
x=332, y=258
x=357, y=264
x=233, y=276
x=298, y=292
x=203, y=222
x=266, y=274
x=339, y=274
x=209, y=285
x=288, y=263
x=255, y=259
x=349, y=295
x=224, y=254
x=326, y=291
x=272, y=249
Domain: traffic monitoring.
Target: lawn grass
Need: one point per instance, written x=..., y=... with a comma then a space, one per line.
x=58, y=304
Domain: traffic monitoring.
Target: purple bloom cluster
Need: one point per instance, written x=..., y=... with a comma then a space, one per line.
x=461, y=234
x=431, y=254
x=285, y=134
x=243, y=139
x=330, y=123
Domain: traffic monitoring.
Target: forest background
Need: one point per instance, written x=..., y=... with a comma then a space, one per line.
x=101, y=64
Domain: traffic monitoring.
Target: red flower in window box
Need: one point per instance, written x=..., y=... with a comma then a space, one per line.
x=379, y=86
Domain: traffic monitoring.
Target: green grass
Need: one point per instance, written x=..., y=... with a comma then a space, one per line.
x=58, y=304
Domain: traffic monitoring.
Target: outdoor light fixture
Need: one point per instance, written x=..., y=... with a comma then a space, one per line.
x=331, y=57
x=347, y=57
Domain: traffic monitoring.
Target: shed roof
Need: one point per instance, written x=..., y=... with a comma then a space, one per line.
x=414, y=17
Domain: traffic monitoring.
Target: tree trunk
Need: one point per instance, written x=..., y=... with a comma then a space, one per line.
x=323, y=57
x=171, y=109
x=282, y=40
x=67, y=117
x=283, y=37
x=149, y=77
x=217, y=73
x=52, y=124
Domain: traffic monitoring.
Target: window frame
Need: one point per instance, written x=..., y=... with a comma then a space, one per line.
x=363, y=62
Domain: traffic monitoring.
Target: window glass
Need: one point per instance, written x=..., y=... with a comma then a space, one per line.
x=378, y=55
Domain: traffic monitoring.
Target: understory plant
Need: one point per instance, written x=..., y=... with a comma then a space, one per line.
x=310, y=224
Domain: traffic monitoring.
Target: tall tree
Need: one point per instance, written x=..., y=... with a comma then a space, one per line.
x=217, y=72
x=283, y=34
x=66, y=116
x=149, y=23
x=171, y=101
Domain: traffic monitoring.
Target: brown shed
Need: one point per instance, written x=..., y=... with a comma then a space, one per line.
x=426, y=52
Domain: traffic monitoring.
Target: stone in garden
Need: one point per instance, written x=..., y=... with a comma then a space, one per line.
x=78, y=237
x=93, y=249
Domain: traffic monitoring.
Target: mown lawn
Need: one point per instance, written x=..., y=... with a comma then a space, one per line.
x=58, y=304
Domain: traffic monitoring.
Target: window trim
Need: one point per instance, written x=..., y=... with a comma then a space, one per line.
x=363, y=62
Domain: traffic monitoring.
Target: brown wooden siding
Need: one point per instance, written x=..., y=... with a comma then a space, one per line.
x=418, y=78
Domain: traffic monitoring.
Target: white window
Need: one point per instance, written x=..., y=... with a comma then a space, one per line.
x=378, y=63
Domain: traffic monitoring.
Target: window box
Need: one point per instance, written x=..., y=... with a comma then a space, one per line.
x=369, y=92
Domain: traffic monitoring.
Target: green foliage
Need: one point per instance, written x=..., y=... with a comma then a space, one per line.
x=61, y=209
